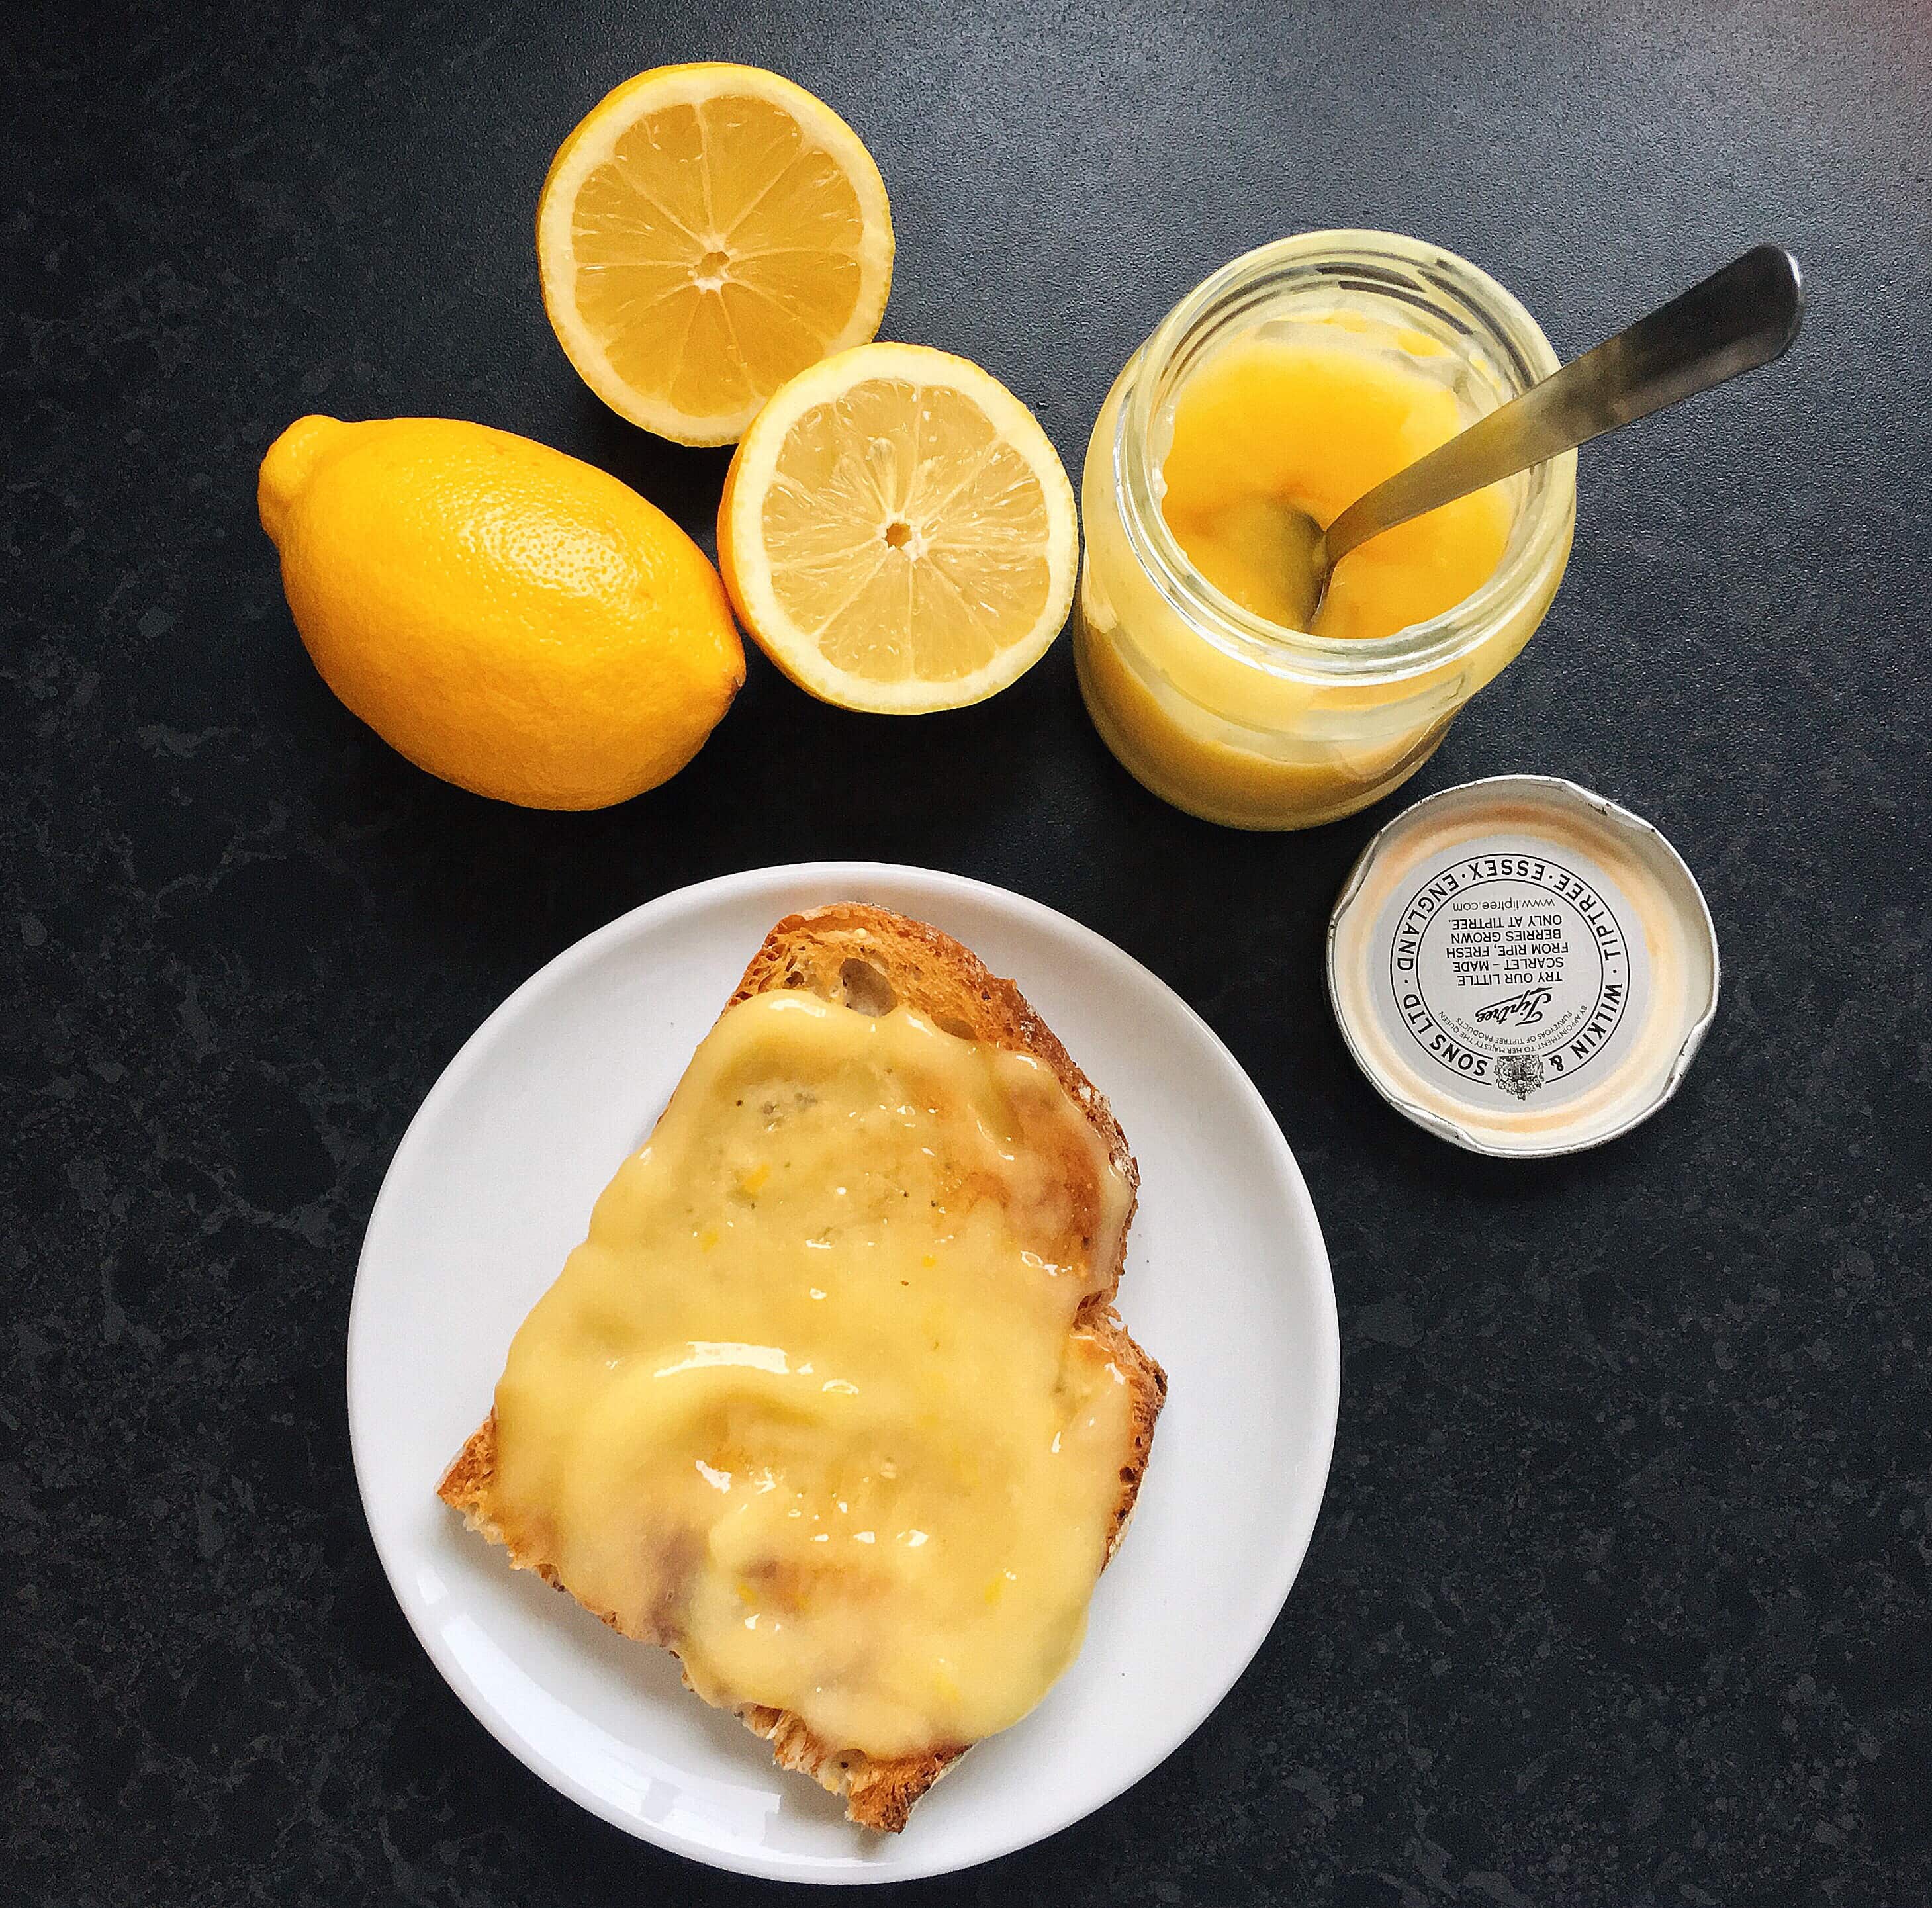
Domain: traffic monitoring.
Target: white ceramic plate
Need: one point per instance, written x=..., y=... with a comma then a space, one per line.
x=1227, y=1284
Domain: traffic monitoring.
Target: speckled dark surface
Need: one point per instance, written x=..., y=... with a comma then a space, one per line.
x=1621, y=1594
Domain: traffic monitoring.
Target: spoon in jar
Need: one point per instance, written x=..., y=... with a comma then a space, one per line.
x=1732, y=322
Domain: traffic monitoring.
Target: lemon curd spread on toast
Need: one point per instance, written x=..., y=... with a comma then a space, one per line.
x=830, y=1402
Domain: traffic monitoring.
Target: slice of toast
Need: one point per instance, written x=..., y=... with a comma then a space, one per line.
x=870, y=960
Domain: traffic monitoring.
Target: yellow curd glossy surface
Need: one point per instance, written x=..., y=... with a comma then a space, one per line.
x=809, y=1405
x=1310, y=420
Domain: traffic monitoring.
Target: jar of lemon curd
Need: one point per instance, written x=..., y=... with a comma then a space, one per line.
x=1221, y=710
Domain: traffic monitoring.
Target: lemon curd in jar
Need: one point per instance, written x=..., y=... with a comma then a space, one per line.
x=1306, y=418
x=1298, y=377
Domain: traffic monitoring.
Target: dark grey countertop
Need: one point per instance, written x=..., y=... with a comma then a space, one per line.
x=1620, y=1595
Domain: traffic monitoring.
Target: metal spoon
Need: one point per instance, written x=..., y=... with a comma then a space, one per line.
x=1734, y=321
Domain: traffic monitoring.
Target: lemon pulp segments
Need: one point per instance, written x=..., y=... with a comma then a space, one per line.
x=706, y=233
x=897, y=532
x=707, y=293
x=904, y=535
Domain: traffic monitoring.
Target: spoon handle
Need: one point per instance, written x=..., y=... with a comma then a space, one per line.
x=1734, y=321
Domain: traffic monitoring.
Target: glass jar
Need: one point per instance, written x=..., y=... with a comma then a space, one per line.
x=1236, y=718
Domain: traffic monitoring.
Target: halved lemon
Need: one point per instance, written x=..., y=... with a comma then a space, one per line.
x=707, y=231
x=897, y=532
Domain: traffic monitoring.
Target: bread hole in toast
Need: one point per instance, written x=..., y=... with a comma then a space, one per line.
x=867, y=990
x=952, y=1024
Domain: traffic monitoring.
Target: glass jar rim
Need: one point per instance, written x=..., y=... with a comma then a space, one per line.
x=1362, y=261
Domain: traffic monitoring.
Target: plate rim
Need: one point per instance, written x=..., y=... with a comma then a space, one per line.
x=691, y=898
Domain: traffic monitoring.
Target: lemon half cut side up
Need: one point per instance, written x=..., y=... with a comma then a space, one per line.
x=707, y=232
x=898, y=532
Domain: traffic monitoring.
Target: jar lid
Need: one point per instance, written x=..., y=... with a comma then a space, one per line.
x=1523, y=966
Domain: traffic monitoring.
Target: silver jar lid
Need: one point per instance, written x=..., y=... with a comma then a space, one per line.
x=1523, y=966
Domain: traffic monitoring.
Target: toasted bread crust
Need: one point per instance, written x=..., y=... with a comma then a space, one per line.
x=866, y=958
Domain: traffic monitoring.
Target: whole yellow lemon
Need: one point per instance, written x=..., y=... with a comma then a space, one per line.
x=509, y=618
